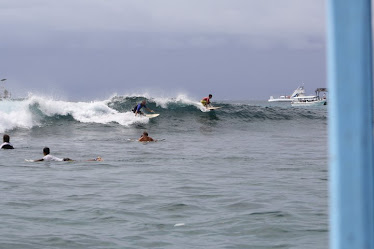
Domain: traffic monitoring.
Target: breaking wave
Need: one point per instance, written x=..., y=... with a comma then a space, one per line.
x=37, y=111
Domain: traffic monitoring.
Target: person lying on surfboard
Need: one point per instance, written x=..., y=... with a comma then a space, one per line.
x=137, y=108
x=145, y=138
x=206, y=101
x=48, y=157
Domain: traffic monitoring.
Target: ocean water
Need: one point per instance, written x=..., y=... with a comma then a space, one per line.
x=249, y=175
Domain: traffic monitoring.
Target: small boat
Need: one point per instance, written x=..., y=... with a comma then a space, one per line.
x=312, y=100
x=298, y=92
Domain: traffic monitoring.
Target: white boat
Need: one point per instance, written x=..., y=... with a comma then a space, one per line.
x=312, y=100
x=308, y=101
x=289, y=98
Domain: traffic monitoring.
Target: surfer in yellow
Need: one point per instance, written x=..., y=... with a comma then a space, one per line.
x=206, y=101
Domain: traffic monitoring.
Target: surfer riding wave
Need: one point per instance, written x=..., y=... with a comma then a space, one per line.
x=139, y=106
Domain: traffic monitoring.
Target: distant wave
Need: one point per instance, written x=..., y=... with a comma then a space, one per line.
x=37, y=111
x=182, y=105
x=179, y=103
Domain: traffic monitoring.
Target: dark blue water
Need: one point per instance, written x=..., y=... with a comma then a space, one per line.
x=250, y=175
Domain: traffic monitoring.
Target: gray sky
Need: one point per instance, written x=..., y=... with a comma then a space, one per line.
x=235, y=49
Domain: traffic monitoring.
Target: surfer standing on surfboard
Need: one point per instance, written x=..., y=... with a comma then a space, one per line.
x=206, y=101
x=137, y=108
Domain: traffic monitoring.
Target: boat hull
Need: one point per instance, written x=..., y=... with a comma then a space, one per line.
x=311, y=103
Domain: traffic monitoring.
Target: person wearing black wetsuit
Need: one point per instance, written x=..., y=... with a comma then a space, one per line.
x=6, y=144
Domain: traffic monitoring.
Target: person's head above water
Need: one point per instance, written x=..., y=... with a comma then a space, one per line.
x=210, y=96
x=144, y=102
x=46, y=151
x=6, y=138
x=145, y=137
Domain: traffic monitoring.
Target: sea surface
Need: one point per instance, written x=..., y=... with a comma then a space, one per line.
x=249, y=175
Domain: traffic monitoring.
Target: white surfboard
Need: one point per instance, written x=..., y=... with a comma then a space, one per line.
x=29, y=160
x=151, y=115
x=214, y=108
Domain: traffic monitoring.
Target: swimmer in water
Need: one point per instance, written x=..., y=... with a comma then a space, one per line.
x=145, y=138
x=6, y=144
x=98, y=159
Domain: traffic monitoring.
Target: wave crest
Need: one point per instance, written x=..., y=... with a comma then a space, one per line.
x=37, y=110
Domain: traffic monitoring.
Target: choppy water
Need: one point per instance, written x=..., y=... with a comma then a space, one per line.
x=250, y=175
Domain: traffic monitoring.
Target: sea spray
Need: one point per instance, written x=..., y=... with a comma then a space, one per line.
x=32, y=111
x=15, y=114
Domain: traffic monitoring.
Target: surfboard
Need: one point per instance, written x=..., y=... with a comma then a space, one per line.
x=151, y=115
x=214, y=108
x=89, y=160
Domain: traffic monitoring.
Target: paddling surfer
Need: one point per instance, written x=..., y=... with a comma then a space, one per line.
x=47, y=157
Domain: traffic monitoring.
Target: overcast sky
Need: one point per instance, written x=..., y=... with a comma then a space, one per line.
x=234, y=49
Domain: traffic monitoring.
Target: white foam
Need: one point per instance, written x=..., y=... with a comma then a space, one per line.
x=179, y=224
x=180, y=99
x=14, y=114
x=164, y=100
x=17, y=114
x=88, y=112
